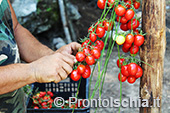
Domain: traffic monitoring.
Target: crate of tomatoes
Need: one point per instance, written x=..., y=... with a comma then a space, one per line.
x=44, y=95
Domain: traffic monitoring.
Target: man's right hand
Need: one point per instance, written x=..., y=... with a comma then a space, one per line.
x=52, y=68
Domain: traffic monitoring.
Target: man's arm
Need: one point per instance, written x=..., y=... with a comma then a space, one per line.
x=29, y=47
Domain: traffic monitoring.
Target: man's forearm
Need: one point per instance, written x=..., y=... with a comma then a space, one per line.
x=30, y=48
x=15, y=76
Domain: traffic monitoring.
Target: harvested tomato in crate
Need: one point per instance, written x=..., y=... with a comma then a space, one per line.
x=61, y=89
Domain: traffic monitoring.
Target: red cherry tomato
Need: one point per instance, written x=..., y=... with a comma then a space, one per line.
x=100, y=31
x=134, y=49
x=95, y=47
x=75, y=76
x=85, y=43
x=43, y=104
x=50, y=93
x=96, y=53
x=124, y=70
x=101, y=4
x=108, y=26
x=124, y=27
x=86, y=51
x=81, y=69
x=87, y=72
x=91, y=29
x=139, y=40
x=36, y=107
x=123, y=20
x=99, y=44
x=120, y=10
x=129, y=14
x=130, y=39
x=111, y=2
x=80, y=56
x=127, y=45
x=136, y=5
x=131, y=79
x=132, y=69
x=123, y=78
x=121, y=62
x=128, y=4
x=90, y=60
x=136, y=31
x=139, y=72
x=93, y=37
x=135, y=24
x=125, y=50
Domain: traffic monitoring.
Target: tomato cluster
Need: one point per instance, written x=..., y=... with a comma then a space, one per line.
x=43, y=100
x=129, y=72
x=90, y=50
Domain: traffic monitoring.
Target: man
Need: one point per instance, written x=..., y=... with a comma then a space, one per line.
x=43, y=65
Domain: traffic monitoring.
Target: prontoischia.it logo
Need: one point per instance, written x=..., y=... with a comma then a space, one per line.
x=105, y=103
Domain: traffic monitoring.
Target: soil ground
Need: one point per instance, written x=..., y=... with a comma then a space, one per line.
x=90, y=13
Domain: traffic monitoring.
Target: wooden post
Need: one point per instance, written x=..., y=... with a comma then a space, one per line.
x=152, y=52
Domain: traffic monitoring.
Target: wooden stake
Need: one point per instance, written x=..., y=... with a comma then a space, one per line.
x=152, y=52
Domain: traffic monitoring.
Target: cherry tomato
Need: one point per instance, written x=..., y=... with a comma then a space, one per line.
x=124, y=27
x=108, y=26
x=86, y=51
x=127, y=45
x=136, y=31
x=50, y=93
x=99, y=44
x=43, y=104
x=46, y=98
x=87, y=72
x=96, y=53
x=125, y=50
x=95, y=47
x=120, y=39
x=123, y=78
x=134, y=49
x=136, y=5
x=120, y=10
x=36, y=107
x=131, y=79
x=121, y=62
x=93, y=37
x=100, y=31
x=85, y=43
x=80, y=56
x=129, y=14
x=75, y=76
x=50, y=101
x=91, y=29
x=124, y=70
x=42, y=94
x=123, y=20
x=139, y=72
x=44, y=107
x=139, y=40
x=35, y=102
x=135, y=24
x=130, y=39
x=90, y=60
x=101, y=4
x=81, y=69
x=128, y=4
x=132, y=69
x=111, y=2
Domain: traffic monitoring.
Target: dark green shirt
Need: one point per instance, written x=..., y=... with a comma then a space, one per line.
x=13, y=102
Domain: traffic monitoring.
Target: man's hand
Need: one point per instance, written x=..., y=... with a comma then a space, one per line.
x=55, y=67
x=71, y=48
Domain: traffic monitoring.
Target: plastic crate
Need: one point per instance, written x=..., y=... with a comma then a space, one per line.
x=64, y=90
